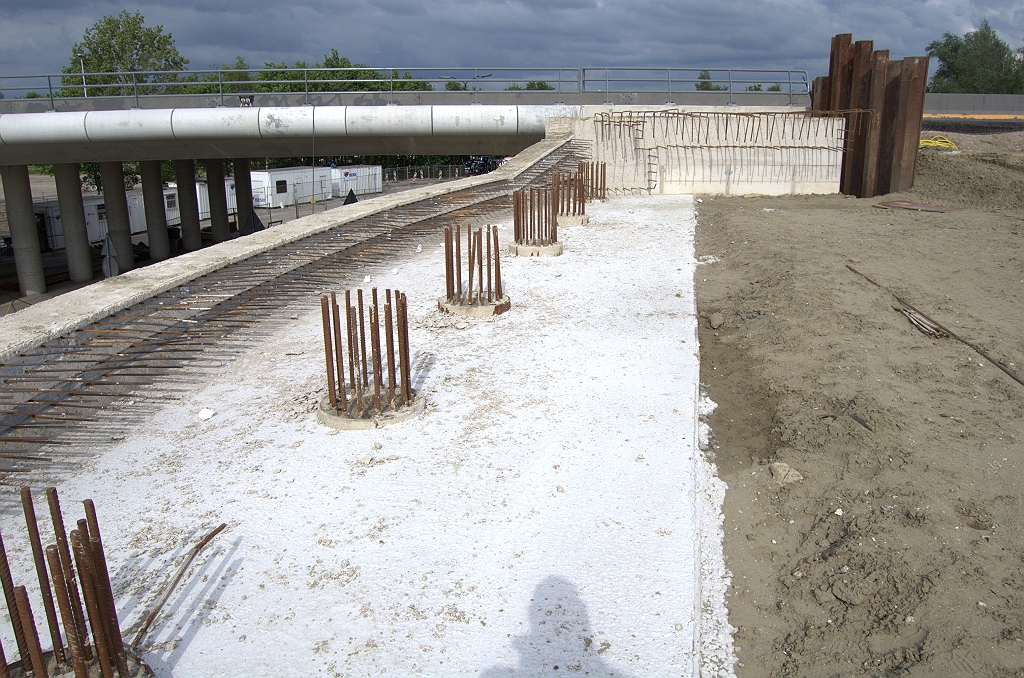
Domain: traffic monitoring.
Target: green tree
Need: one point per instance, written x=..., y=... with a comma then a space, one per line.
x=775, y=88
x=979, y=62
x=706, y=84
x=531, y=85
x=455, y=86
x=753, y=88
x=120, y=46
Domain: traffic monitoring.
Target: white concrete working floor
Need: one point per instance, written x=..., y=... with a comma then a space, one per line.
x=550, y=510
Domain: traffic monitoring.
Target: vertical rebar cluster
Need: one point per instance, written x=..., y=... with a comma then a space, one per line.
x=366, y=389
x=483, y=257
x=573, y=190
x=82, y=563
x=535, y=216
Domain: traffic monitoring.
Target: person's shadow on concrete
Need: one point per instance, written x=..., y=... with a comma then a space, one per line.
x=561, y=639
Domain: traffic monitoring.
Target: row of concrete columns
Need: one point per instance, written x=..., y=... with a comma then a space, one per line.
x=25, y=236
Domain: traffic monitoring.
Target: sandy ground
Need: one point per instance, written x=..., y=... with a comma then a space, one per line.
x=898, y=552
x=550, y=511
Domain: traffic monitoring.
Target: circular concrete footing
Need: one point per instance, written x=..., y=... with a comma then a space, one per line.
x=484, y=310
x=342, y=422
x=553, y=250
x=570, y=220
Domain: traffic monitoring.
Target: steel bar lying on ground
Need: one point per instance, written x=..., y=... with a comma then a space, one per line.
x=174, y=582
x=391, y=388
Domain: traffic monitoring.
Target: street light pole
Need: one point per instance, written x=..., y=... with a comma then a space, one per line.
x=81, y=62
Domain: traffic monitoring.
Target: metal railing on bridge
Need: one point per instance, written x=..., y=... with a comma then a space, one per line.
x=238, y=87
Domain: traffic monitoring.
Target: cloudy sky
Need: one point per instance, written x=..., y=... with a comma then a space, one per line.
x=36, y=35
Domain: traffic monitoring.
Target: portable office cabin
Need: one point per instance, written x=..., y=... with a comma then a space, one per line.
x=171, y=207
x=95, y=219
x=285, y=186
x=362, y=179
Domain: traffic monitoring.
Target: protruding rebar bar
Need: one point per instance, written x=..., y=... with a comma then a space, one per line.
x=338, y=352
x=497, y=268
x=490, y=281
x=68, y=573
x=4, y=671
x=351, y=345
x=12, y=604
x=378, y=377
x=67, y=614
x=105, y=591
x=362, y=341
x=44, y=580
x=388, y=332
x=88, y=582
x=28, y=626
x=325, y=313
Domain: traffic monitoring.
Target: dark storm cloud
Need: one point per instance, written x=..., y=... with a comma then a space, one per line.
x=36, y=37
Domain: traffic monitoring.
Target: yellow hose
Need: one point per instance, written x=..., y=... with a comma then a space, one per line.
x=937, y=142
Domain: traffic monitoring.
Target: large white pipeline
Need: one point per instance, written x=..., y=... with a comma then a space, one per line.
x=185, y=124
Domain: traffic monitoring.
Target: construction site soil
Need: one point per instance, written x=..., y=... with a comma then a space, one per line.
x=890, y=546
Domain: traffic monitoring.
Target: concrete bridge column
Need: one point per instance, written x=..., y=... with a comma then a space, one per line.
x=243, y=190
x=188, y=204
x=21, y=219
x=72, y=221
x=218, y=200
x=156, y=217
x=116, y=202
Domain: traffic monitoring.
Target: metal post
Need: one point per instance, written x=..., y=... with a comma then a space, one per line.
x=305, y=83
x=220, y=85
x=49, y=85
x=668, y=80
x=135, y=88
x=730, y=87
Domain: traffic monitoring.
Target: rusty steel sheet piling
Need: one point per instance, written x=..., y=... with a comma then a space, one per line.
x=386, y=372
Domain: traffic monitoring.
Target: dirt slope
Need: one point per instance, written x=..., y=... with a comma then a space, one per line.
x=898, y=553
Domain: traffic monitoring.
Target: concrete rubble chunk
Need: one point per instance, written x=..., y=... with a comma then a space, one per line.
x=783, y=474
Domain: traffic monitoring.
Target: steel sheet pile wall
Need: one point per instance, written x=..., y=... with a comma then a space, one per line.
x=883, y=100
x=720, y=153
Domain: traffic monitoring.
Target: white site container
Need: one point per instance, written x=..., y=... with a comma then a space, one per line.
x=171, y=207
x=95, y=218
x=285, y=186
x=362, y=179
